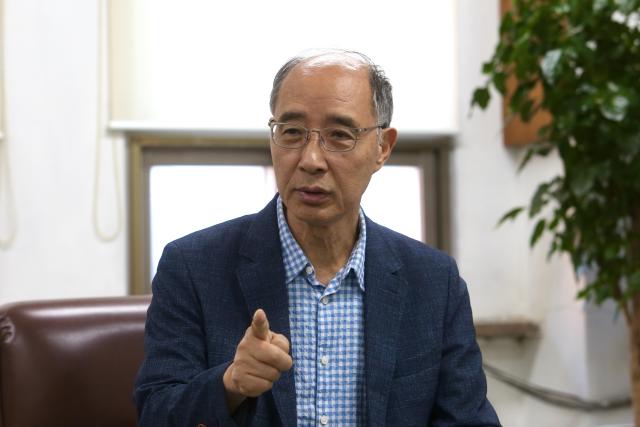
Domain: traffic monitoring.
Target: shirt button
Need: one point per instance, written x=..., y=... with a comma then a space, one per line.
x=324, y=360
x=324, y=420
x=324, y=300
x=309, y=269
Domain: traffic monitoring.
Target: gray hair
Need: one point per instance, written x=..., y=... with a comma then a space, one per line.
x=381, y=99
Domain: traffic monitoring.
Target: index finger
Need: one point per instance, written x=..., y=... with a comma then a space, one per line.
x=260, y=325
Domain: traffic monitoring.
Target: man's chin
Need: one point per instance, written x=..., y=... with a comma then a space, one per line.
x=312, y=215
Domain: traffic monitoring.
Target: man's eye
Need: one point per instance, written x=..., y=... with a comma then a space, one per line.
x=292, y=131
x=340, y=134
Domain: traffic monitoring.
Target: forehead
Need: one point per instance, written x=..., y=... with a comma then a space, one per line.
x=328, y=84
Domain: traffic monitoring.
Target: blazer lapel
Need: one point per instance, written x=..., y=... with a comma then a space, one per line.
x=385, y=291
x=261, y=277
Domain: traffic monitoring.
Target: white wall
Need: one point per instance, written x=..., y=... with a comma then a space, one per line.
x=51, y=121
x=51, y=92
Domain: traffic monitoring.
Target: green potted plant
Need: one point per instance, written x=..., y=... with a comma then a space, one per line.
x=585, y=55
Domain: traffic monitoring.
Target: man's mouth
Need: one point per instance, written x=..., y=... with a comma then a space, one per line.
x=312, y=194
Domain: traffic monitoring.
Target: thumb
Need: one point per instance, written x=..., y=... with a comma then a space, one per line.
x=260, y=325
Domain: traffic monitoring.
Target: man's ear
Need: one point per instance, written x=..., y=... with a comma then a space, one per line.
x=389, y=137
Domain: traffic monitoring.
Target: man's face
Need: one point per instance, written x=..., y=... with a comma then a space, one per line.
x=318, y=187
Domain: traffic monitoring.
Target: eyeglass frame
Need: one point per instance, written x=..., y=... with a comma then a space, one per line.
x=358, y=131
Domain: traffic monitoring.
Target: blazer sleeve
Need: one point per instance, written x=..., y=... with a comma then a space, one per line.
x=461, y=397
x=175, y=386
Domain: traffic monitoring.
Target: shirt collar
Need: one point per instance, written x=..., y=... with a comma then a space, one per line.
x=295, y=260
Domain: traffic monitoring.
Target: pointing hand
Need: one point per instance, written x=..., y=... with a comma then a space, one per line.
x=261, y=356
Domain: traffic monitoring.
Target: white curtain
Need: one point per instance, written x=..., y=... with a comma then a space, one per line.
x=210, y=64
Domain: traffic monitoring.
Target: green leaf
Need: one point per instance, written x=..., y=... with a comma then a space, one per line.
x=634, y=282
x=554, y=222
x=526, y=110
x=602, y=291
x=632, y=147
x=527, y=157
x=506, y=24
x=537, y=232
x=610, y=253
x=584, y=294
x=520, y=95
x=543, y=133
x=549, y=65
x=481, y=97
x=538, y=201
x=582, y=182
x=626, y=6
x=562, y=9
x=539, y=149
x=510, y=215
x=599, y=5
x=615, y=108
x=499, y=81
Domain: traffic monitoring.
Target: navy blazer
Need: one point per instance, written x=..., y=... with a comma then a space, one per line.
x=422, y=363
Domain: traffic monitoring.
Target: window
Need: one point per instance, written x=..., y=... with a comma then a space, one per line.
x=184, y=183
x=185, y=198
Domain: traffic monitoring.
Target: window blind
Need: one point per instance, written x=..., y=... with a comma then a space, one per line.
x=204, y=64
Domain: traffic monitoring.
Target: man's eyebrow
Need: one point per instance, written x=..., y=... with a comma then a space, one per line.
x=334, y=119
x=342, y=120
x=291, y=115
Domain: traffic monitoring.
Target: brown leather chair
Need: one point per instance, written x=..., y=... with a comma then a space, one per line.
x=70, y=363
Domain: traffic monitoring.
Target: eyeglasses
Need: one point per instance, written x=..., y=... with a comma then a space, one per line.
x=337, y=138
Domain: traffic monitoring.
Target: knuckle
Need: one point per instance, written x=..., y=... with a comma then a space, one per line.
x=239, y=357
x=254, y=388
x=289, y=362
x=243, y=389
x=242, y=346
x=271, y=374
x=236, y=375
x=282, y=342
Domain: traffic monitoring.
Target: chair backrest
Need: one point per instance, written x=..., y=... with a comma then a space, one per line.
x=70, y=362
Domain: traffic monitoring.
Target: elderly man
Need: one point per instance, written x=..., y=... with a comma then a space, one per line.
x=308, y=313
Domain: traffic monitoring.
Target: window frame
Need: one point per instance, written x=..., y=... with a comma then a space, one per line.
x=148, y=148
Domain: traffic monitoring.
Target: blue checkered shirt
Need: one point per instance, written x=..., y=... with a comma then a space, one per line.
x=327, y=334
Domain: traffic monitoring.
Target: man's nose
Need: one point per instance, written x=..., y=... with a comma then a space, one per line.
x=312, y=156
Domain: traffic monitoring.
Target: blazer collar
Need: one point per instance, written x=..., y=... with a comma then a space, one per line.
x=261, y=278
x=384, y=303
